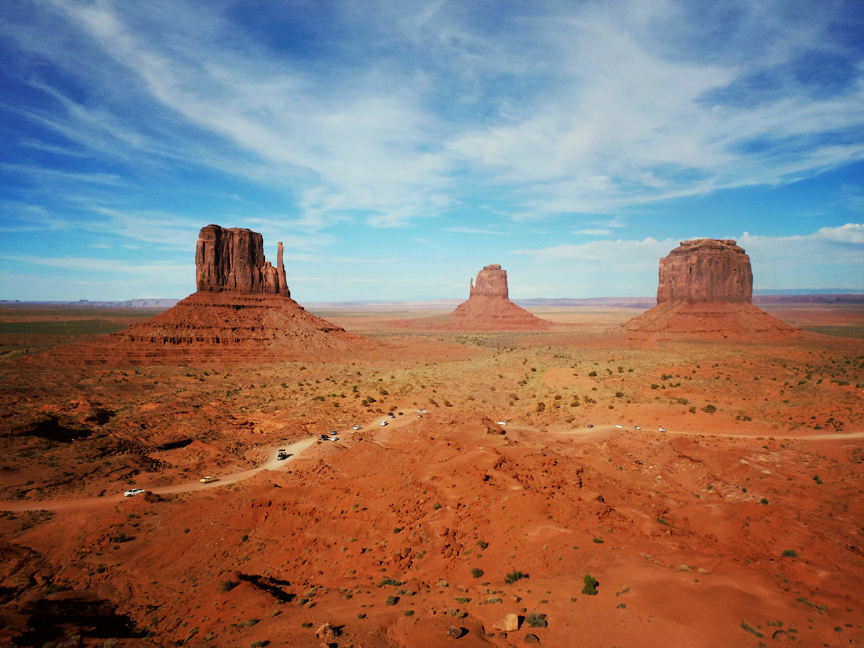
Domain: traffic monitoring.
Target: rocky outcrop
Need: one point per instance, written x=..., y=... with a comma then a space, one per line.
x=706, y=270
x=491, y=282
x=232, y=259
x=242, y=312
x=488, y=309
x=705, y=291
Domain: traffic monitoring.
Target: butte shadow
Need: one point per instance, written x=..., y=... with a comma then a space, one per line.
x=488, y=309
x=705, y=291
x=241, y=312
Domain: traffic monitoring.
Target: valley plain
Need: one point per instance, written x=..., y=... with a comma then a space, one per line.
x=739, y=525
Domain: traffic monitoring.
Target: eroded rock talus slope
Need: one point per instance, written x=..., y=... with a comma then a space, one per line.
x=488, y=309
x=705, y=289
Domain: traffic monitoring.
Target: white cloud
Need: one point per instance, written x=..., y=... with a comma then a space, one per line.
x=849, y=233
x=111, y=266
x=593, y=232
x=473, y=230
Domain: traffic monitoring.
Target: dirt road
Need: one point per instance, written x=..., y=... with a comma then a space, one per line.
x=293, y=450
x=381, y=436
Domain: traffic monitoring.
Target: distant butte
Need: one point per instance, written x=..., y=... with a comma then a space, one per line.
x=705, y=289
x=488, y=309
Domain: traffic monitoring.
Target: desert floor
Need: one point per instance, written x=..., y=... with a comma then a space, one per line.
x=741, y=524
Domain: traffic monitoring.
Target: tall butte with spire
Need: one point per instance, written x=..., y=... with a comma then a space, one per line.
x=705, y=289
x=241, y=311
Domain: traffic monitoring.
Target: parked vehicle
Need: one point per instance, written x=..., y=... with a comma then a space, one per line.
x=590, y=426
x=502, y=423
x=638, y=428
x=133, y=492
x=619, y=427
x=334, y=438
x=357, y=427
x=208, y=480
x=661, y=429
x=282, y=456
x=383, y=422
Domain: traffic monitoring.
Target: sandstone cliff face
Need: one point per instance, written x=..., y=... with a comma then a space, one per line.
x=705, y=291
x=491, y=282
x=232, y=259
x=706, y=270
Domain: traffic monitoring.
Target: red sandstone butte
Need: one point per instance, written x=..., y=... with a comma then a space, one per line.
x=705, y=289
x=241, y=312
x=232, y=259
x=488, y=309
x=706, y=270
x=491, y=282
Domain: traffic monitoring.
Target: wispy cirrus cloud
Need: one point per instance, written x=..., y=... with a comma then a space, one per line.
x=474, y=230
x=102, y=266
x=583, y=108
x=134, y=124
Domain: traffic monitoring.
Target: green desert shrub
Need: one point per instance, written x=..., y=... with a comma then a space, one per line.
x=536, y=620
x=514, y=576
x=590, y=588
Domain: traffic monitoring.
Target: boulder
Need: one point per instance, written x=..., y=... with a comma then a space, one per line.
x=232, y=259
x=706, y=270
x=509, y=623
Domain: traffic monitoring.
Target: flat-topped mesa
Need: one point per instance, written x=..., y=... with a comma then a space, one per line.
x=491, y=282
x=706, y=270
x=232, y=260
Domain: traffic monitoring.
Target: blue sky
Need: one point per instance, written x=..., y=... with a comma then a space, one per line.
x=397, y=147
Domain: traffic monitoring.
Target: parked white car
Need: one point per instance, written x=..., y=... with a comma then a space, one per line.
x=383, y=423
x=661, y=429
x=133, y=492
x=502, y=423
x=619, y=427
x=356, y=427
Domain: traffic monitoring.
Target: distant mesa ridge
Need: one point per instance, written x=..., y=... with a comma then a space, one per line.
x=232, y=259
x=705, y=289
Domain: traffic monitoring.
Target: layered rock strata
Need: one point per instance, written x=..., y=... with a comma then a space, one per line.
x=491, y=282
x=706, y=270
x=232, y=259
x=705, y=290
